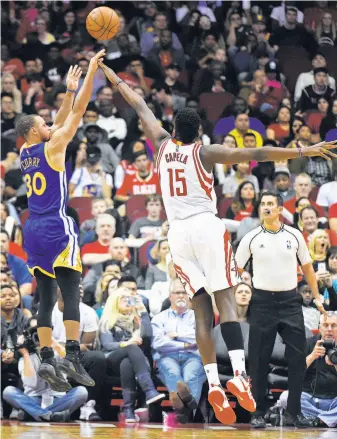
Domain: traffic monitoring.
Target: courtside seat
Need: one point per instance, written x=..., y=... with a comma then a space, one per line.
x=223, y=206
x=134, y=204
x=83, y=206
x=142, y=254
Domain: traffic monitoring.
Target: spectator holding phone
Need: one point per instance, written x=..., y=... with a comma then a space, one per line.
x=124, y=326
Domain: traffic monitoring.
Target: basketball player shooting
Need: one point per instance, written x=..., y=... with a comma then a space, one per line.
x=199, y=242
x=50, y=236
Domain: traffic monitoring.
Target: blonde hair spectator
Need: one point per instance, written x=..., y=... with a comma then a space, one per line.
x=8, y=85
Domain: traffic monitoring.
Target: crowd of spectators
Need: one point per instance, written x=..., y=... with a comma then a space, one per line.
x=259, y=74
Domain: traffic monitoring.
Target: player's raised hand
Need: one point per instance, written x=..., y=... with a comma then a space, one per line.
x=93, y=65
x=109, y=73
x=73, y=77
x=321, y=149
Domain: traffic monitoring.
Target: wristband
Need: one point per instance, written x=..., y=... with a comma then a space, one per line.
x=71, y=91
x=318, y=303
x=299, y=149
x=122, y=344
x=119, y=81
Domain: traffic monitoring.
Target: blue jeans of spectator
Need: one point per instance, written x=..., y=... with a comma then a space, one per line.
x=71, y=401
x=324, y=409
x=27, y=302
x=182, y=366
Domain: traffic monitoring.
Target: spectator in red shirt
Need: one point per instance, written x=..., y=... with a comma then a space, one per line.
x=134, y=75
x=303, y=187
x=243, y=202
x=99, y=251
x=143, y=182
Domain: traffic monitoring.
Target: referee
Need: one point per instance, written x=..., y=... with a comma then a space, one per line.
x=276, y=307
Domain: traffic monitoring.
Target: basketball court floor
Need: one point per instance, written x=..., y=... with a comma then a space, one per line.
x=16, y=430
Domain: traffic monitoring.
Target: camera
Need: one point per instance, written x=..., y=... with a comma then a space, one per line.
x=331, y=350
x=31, y=340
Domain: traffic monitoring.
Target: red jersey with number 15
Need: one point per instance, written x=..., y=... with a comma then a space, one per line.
x=187, y=188
x=133, y=184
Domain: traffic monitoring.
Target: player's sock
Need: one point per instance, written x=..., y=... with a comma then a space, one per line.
x=237, y=358
x=212, y=374
x=232, y=335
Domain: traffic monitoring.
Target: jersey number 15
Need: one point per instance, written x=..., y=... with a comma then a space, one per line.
x=177, y=180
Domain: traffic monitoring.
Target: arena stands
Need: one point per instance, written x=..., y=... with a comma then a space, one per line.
x=258, y=73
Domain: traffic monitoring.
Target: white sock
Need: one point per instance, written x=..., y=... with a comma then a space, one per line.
x=237, y=358
x=212, y=374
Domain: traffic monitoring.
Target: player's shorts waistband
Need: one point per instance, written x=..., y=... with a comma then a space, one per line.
x=44, y=214
x=197, y=214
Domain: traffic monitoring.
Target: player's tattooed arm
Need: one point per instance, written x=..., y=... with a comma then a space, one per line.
x=73, y=77
x=152, y=128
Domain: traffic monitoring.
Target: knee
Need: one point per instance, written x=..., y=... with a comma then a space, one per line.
x=10, y=392
x=81, y=394
x=27, y=302
x=100, y=359
x=134, y=349
x=194, y=372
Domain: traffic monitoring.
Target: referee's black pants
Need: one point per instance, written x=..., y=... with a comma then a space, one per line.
x=272, y=312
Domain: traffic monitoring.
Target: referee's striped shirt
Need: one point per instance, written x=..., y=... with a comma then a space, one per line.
x=275, y=256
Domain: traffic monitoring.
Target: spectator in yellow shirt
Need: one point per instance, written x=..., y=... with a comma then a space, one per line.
x=242, y=128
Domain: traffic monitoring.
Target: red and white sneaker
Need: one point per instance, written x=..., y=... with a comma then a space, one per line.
x=239, y=386
x=222, y=410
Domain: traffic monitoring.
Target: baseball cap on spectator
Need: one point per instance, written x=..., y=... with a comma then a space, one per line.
x=259, y=18
x=281, y=170
x=174, y=66
x=320, y=69
x=272, y=67
x=94, y=155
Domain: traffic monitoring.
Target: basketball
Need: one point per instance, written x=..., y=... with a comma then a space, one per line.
x=102, y=23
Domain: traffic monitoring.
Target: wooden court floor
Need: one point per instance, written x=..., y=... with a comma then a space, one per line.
x=15, y=430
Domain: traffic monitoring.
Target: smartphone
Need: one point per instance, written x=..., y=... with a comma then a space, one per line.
x=321, y=267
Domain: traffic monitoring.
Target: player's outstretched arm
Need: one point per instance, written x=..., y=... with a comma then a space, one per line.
x=61, y=137
x=152, y=128
x=72, y=81
x=216, y=153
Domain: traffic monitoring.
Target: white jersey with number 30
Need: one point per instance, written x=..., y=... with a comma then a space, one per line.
x=187, y=188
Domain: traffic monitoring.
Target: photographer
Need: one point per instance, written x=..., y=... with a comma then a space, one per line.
x=319, y=396
x=38, y=400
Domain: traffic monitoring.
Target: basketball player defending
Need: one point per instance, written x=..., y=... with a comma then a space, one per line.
x=199, y=242
x=50, y=236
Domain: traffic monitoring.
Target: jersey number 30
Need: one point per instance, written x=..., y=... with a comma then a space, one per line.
x=37, y=184
x=178, y=185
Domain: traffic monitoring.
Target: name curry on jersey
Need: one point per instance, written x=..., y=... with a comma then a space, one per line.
x=28, y=162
